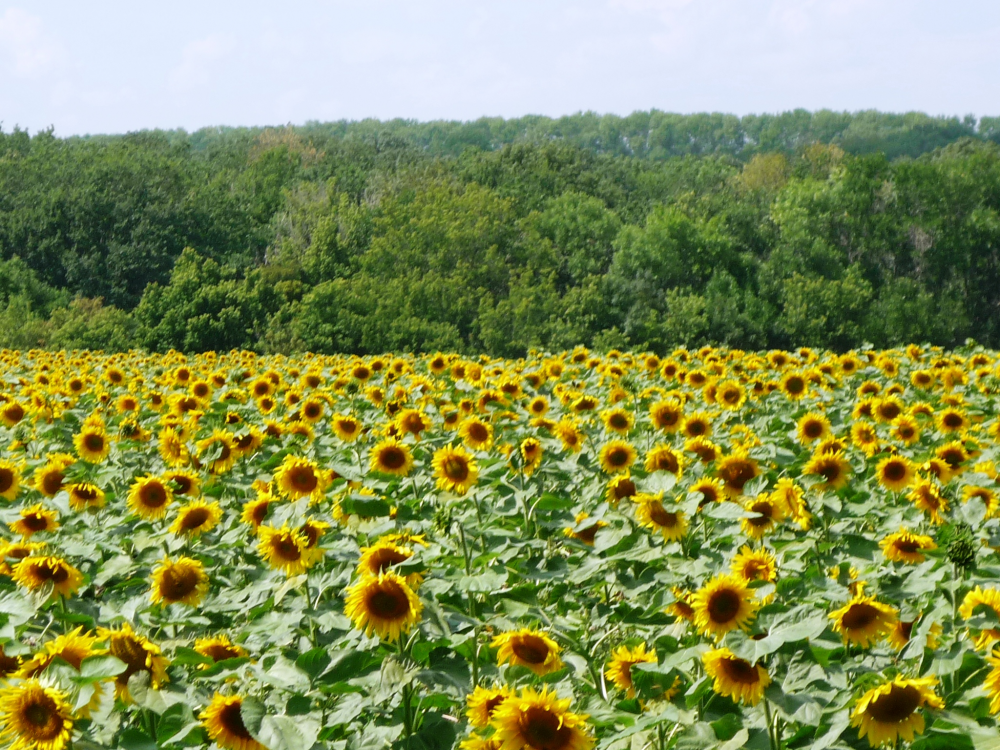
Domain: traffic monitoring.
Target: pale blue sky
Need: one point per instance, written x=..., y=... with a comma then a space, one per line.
x=113, y=66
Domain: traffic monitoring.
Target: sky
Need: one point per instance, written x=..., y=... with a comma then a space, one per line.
x=112, y=66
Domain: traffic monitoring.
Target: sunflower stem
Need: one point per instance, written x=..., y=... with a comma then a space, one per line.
x=770, y=725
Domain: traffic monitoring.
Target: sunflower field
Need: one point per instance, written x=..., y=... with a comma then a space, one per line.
x=713, y=549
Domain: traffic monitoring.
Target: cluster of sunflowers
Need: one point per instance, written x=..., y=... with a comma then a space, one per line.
x=712, y=549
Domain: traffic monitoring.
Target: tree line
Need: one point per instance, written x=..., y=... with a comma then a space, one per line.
x=649, y=231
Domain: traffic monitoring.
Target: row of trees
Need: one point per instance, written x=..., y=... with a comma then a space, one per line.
x=365, y=241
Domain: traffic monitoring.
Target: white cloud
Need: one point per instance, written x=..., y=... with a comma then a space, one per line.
x=197, y=61
x=25, y=44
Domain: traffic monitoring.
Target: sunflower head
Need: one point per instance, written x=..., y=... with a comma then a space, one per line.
x=891, y=711
x=906, y=547
x=735, y=471
x=149, y=497
x=651, y=513
x=299, y=477
x=287, y=549
x=219, y=648
x=734, y=677
x=455, y=469
x=223, y=721
x=383, y=556
x=832, y=469
x=384, y=604
x=864, y=621
x=723, y=604
x=528, y=648
x=623, y=658
x=36, y=519
x=616, y=456
x=196, y=518
x=391, y=456
x=33, y=716
x=33, y=573
x=483, y=701
x=139, y=654
x=540, y=720
x=85, y=496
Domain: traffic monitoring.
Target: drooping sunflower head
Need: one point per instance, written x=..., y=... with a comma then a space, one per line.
x=219, y=648
x=864, y=621
x=483, y=701
x=619, y=488
x=33, y=573
x=906, y=547
x=528, y=648
x=723, y=604
x=585, y=528
x=455, y=469
x=34, y=717
x=734, y=677
x=541, y=721
x=181, y=581
x=623, y=658
x=891, y=711
x=36, y=519
x=664, y=458
x=139, y=654
x=149, y=497
x=385, y=605
x=390, y=456
x=925, y=495
x=616, y=456
x=223, y=721
x=85, y=496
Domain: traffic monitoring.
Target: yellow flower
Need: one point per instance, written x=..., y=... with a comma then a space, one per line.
x=812, y=426
x=723, y=604
x=992, y=683
x=149, y=497
x=730, y=395
x=925, y=495
x=528, y=648
x=895, y=473
x=770, y=512
x=391, y=456
x=384, y=604
x=618, y=420
x=585, y=533
x=183, y=581
x=649, y=512
x=569, y=435
x=832, y=467
x=49, y=479
x=455, y=469
x=223, y=721
x=616, y=456
x=903, y=631
x=35, y=520
x=754, y=565
x=10, y=480
x=482, y=702
x=906, y=429
x=664, y=458
x=139, y=654
x=383, y=556
x=540, y=721
x=906, y=547
x=734, y=677
x=667, y=415
x=531, y=455
x=299, y=477
x=219, y=648
x=623, y=658
x=980, y=597
x=477, y=434
x=735, y=471
x=85, y=496
x=34, y=572
x=346, y=427
x=91, y=442
x=219, y=450
x=196, y=518
x=287, y=549
x=619, y=488
x=11, y=413
x=34, y=717
x=890, y=711
x=863, y=621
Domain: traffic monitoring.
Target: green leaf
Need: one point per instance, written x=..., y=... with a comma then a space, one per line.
x=365, y=507
x=136, y=739
x=99, y=668
x=288, y=732
x=313, y=662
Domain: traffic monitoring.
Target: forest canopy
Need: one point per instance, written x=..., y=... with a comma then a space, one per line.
x=649, y=231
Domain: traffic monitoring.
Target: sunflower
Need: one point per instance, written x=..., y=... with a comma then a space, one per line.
x=149, y=497
x=139, y=654
x=906, y=429
x=528, y=648
x=890, y=711
x=482, y=702
x=895, y=473
x=91, y=442
x=863, y=621
x=735, y=471
x=185, y=483
x=980, y=597
x=616, y=456
x=35, y=520
x=795, y=386
x=34, y=717
x=384, y=604
x=584, y=532
x=723, y=604
x=754, y=565
x=623, y=658
x=287, y=549
x=667, y=415
x=832, y=467
x=531, y=455
x=992, y=682
x=49, y=479
x=196, y=518
x=391, y=456
x=682, y=606
x=697, y=425
x=664, y=458
x=385, y=555
x=618, y=420
x=952, y=420
x=734, y=677
x=925, y=495
x=9, y=665
x=906, y=547
x=703, y=448
x=729, y=394
x=10, y=480
x=769, y=513
x=649, y=512
x=72, y=648
x=11, y=413
x=708, y=490
x=218, y=451
x=85, y=496
x=455, y=469
x=954, y=455
x=223, y=721
x=988, y=496
x=183, y=581
x=298, y=477
x=476, y=434
x=812, y=426
x=900, y=635
x=255, y=511
x=33, y=573
x=172, y=448
x=619, y=488
x=540, y=721
x=569, y=435
x=219, y=648
x=412, y=421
